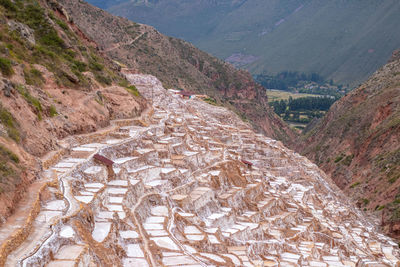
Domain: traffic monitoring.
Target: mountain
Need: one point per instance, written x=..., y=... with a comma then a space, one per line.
x=341, y=40
x=357, y=144
x=177, y=64
x=53, y=84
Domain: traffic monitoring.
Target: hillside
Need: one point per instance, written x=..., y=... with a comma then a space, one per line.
x=357, y=144
x=177, y=64
x=53, y=85
x=341, y=40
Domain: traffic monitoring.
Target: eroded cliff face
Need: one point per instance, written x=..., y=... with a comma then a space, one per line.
x=53, y=84
x=358, y=144
x=177, y=64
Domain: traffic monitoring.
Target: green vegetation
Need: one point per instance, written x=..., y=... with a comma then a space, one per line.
x=4, y=152
x=53, y=111
x=365, y=201
x=67, y=64
x=210, y=101
x=302, y=110
x=133, y=90
x=33, y=77
x=339, y=158
x=355, y=185
x=293, y=81
x=347, y=160
x=10, y=124
x=6, y=67
x=34, y=102
x=9, y=169
x=390, y=165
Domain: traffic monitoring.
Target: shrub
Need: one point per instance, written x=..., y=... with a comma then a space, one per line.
x=31, y=100
x=11, y=125
x=347, y=160
x=53, y=111
x=33, y=77
x=8, y=5
x=4, y=152
x=133, y=90
x=355, y=184
x=338, y=158
x=6, y=67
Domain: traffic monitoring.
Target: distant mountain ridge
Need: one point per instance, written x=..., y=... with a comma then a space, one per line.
x=341, y=40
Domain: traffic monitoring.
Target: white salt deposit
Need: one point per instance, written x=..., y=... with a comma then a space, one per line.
x=159, y=211
x=94, y=185
x=67, y=232
x=129, y=234
x=117, y=191
x=101, y=230
x=130, y=262
x=157, y=232
x=114, y=208
x=115, y=200
x=213, y=257
x=84, y=199
x=165, y=242
x=134, y=251
x=122, y=183
x=55, y=205
x=191, y=230
x=153, y=226
x=155, y=219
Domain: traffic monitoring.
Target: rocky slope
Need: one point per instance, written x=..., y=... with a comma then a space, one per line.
x=177, y=64
x=53, y=84
x=358, y=144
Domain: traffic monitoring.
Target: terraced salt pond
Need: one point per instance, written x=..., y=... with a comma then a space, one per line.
x=193, y=185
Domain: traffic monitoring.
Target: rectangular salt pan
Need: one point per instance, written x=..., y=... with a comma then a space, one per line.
x=123, y=183
x=117, y=191
x=101, y=230
x=134, y=251
x=128, y=234
x=84, y=199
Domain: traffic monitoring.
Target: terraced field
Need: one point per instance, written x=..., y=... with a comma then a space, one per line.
x=190, y=184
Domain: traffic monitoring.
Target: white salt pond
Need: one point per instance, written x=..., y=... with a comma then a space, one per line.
x=178, y=260
x=153, y=226
x=93, y=170
x=130, y=262
x=84, y=199
x=94, y=185
x=154, y=219
x=213, y=257
x=157, y=232
x=55, y=205
x=128, y=234
x=165, y=242
x=159, y=211
x=101, y=230
x=117, y=208
x=191, y=229
x=115, y=200
x=134, y=251
x=122, y=183
x=67, y=232
x=117, y=191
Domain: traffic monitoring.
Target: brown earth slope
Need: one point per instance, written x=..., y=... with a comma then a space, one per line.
x=53, y=84
x=358, y=144
x=177, y=64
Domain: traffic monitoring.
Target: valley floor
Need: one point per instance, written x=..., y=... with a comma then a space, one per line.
x=193, y=185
